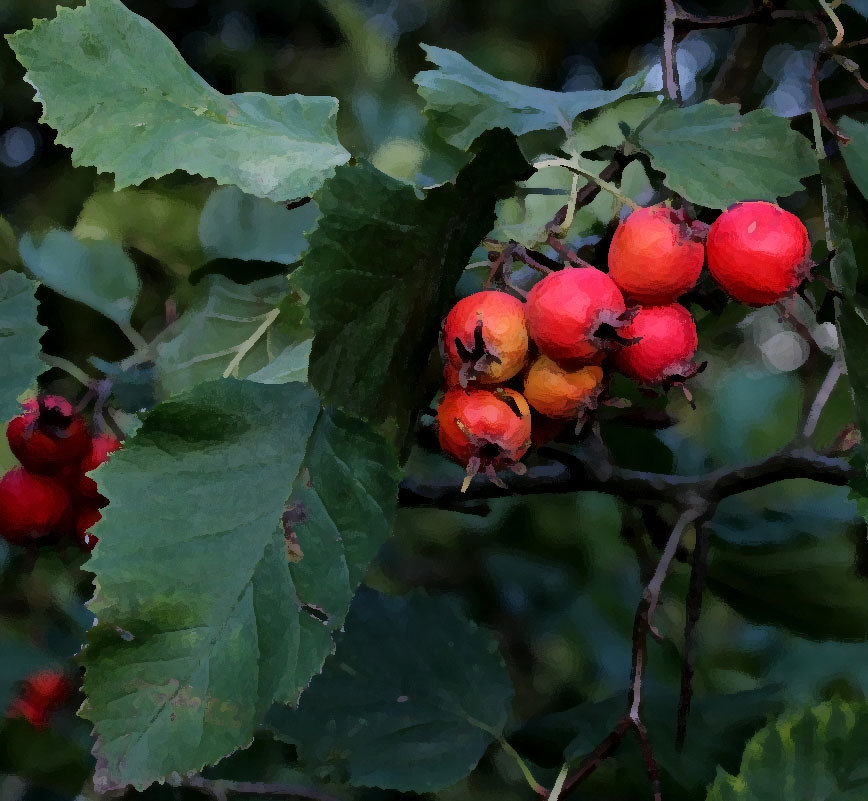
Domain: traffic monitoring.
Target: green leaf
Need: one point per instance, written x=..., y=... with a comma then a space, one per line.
x=381, y=269
x=96, y=273
x=412, y=698
x=859, y=5
x=464, y=101
x=232, y=330
x=19, y=340
x=810, y=586
x=234, y=225
x=813, y=755
x=202, y=619
x=8, y=245
x=714, y=156
x=120, y=95
x=855, y=155
x=160, y=221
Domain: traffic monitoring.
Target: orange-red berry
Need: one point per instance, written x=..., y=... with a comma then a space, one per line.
x=758, y=252
x=484, y=430
x=665, y=342
x=49, y=436
x=485, y=337
x=560, y=393
x=571, y=312
x=32, y=507
x=655, y=256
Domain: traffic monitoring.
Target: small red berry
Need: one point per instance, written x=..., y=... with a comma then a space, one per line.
x=568, y=311
x=88, y=515
x=655, y=256
x=758, y=252
x=559, y=393
x=32, y=507
x=665, y=343
x=484, y=430
x=41, y=694
x=485, y=337
x=101, y=447
x=49, y=436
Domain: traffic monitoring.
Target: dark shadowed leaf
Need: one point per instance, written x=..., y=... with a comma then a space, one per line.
x=381, y=269
x=411, y=699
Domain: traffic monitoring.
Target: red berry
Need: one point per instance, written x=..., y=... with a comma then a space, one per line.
x=758, y=252
x=87, y=517
x=101, y=447
x=31, y=507
x=485, y=337
x=567, y=309
x=41, y=693
x=666, y=342
x=484, y=430
x=655, y=256
x=559, y=393
x=49, y=436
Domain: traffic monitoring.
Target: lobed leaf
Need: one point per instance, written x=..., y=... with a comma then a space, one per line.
x=19, y=340
x=464, y=101
x=203, y=622
x=413, y=696
x=121, y=96
x=715, y=156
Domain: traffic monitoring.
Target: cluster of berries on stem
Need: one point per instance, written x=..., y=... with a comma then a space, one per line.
x=516, y=372
x=50, y=495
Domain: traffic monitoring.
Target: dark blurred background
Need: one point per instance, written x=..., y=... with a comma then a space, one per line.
x=556, y=577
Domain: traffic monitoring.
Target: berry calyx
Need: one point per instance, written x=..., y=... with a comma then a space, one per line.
x=485, y=337
x=560, y=393
x=574, y=315
x=758, y=252
x=666, y=341
x=484, y=430
x=32, y=507
x=656, y=255
x=49, y=436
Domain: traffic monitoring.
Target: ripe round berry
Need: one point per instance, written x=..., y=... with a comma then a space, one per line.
x=49, y=436
x=655, y=256
x=31, y=506
x=485, y=337
x=101, y=447
x=758, y=252
x=556, y=392
x=41, y=693
x=666, y=342
x=568, y=314
x=484, y=430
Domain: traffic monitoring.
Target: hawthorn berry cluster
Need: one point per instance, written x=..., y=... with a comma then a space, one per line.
x=50, y=495
x=40, y=694
x=517, y=371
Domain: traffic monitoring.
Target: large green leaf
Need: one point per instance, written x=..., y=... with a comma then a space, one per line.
x=814, y=755
x=97, y=273
x=19, y=340
x=120, y=95
x=234, y=225
x=382, y=266
x=465, y=101
x=715, y=156
x=160, y=221
x=200, y=617
x=232, y=330
x=412, y=698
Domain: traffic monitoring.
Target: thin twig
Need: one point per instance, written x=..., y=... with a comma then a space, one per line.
x=822, y=398
x=69, y=368
x=598, y=179
x=694, y=609
x=668, y=61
